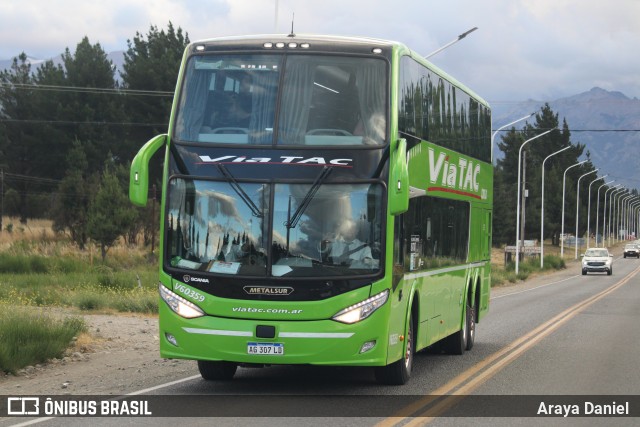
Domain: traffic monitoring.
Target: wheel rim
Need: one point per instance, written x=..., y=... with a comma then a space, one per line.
x=465, y=338
x=472, y=323
x=408, y=353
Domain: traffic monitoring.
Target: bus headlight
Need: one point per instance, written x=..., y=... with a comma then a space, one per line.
x=362, y=310
x=179, y=305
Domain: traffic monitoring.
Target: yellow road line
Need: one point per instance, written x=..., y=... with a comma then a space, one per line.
x=467, y=381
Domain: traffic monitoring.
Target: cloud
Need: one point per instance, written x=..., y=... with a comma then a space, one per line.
x=523, y=48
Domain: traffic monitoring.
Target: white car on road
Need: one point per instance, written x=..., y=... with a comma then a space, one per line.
x=632, y=249
x=597, y=259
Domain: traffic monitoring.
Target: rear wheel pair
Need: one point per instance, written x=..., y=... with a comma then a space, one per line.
x=465, y=337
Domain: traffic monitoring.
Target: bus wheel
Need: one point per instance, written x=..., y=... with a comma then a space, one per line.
x=398, y=372
x=217, y=370
x=471, y=326
x=457, y=343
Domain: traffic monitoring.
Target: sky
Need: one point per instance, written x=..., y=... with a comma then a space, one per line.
x=523, y=49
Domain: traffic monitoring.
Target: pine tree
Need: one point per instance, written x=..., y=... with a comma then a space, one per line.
x=151, y=64
x=506, y=175
x=72, y=201
x=110, y=214
x=89, y=67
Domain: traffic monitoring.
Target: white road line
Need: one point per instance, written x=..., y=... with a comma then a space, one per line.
x=537, y=287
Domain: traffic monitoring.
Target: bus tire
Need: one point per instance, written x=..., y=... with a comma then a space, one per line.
x=457, y=343
x=471, y=326
x=221, y=371
x=398, y=372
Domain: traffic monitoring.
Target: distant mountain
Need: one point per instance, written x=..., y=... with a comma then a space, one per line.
x=606, y=122
x=117, y=57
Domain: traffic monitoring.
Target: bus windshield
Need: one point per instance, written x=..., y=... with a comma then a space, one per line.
x=323, y=100
x=212, y=228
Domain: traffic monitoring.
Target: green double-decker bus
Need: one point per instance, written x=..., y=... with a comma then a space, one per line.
x=325, y=201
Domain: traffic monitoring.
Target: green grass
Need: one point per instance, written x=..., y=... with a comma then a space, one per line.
x=500, y=276
x=28, y=338
x=54, y=273
x=90, y=290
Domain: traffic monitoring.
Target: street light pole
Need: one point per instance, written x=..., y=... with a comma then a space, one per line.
x=518, y=208
x=630, y=208
x=564, y=182
x=542, y=206
x=612, y=201
x=604, y=211
x=625, y=215
x=578, y=208
x=460, y=37
x=622, y=202
x=598, y=211
x=493, y=136
x=635, y=218
x=589, y=209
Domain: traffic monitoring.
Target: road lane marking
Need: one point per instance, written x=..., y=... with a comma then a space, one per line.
x=534, y=288
x=147, y=390
x=449, y=394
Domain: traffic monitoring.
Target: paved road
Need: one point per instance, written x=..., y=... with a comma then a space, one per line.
x=562, y=334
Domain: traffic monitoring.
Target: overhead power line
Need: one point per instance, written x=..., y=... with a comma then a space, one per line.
x=94, y=90
x=72, y=122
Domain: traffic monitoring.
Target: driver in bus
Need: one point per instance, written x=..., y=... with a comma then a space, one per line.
x=347, y=249
x=239, y=112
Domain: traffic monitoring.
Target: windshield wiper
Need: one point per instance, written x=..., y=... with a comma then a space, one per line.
x=292, y=221
x=240, y=192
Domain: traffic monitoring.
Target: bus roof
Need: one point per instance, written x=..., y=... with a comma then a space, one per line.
x=319, y=38
x=325, y=43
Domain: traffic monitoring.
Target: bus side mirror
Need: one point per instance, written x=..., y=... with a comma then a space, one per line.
x=139, y=174
x=399, y=183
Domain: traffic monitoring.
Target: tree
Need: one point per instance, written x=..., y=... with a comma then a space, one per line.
x=20, y=142
x=92, y=113
x=72, y=202
x=506, y=174
x=110, y=214
x=41, y=124
x=151, y=64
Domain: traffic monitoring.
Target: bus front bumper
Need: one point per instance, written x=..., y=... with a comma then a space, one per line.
x=320, y=342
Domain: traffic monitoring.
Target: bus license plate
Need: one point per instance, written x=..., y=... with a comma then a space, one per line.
x=267, y=348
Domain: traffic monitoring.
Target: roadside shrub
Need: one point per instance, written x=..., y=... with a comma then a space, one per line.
x=554, y=262
x=137, y=302
x=38, y=264
x=28, y=338
x=17, y=264
x=527, y=267
x=23, y=264
x=70, y=265
x=88, y=300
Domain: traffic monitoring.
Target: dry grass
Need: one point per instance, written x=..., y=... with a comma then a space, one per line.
x=34, y=230
x=85, y=343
